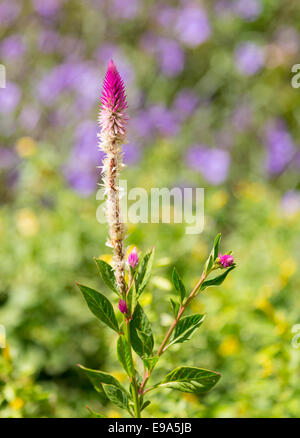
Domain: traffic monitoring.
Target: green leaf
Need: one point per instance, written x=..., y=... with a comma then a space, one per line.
x=141, y=333
x=143, y=273
x=124, y=355
x=117, y=396
x=185, y=328
x=216, y=246
x=209, y=263
x=147, y=403
x=217, y=280
x=98, y=378
x=107, y=275
x=95, y=414
x=179, y=286
x=191, y=379
x=100, y=306
x=150, y=362
x=175, y=307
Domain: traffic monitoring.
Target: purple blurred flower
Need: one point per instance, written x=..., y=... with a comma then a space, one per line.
x=185, y=103
x=165, y=15
x=8, y=158
x=212, y=163
x=9, y=97
x=132, y=153
x=64, y=77
x=29, y=117
x=49, y=41
x=125, y=9
x=170, y=56
x=164, y=120
x=249, y=58
x=290, y=202
x=80, y=170
x=280, y=147
x=242, y=117
x=9, y=11
x=48, y=8
x=249, y=10
x=142, y=124
x=192, y=26
x=12, y=47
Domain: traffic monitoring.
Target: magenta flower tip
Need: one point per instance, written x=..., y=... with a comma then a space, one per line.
x=133, y=258
x=123, y=306
x=113, y=92
x=226, y=260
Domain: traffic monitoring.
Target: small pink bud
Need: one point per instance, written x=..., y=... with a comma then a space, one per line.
x=226, y=260
x=123, y=306
x=133, y=258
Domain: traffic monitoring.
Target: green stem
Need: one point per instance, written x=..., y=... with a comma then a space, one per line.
x=182, y=308
x=133, y=381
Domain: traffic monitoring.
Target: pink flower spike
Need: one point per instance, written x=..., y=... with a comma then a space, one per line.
x=112, y=118
x=133, y=258
x=226, y=260
x=123, y=306
x=113, y=91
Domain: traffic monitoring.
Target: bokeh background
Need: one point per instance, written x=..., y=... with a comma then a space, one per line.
x=211, y=105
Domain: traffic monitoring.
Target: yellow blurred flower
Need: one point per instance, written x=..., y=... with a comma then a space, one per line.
x=106, y=258
x=229, y=346
x=191, y=398
x=287, y=268
x=218, y=199
x=255, y=192
x=27, y=222
x=17, y=403
x=161, y=283
x=26, y=146
x=119, y=375
x=146, y=299
x=113, y=414
x=267, y=365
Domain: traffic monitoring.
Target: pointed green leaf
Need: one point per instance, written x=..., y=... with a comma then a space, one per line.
x=191, y=379
x=217, y=280
x=124, y=355
x=185, y=328
x=117, y=396
x=143, y=273
x=98, y=378
x=175, y=307
x=145, y=404
x=140, y=333
x=179, y=286
x=150, y=362
x=95, y=414
x=107, y=275
x=100, y=306
x=216, y=246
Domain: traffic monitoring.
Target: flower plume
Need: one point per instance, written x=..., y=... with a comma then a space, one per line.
x=113, y=124
x=113, y=118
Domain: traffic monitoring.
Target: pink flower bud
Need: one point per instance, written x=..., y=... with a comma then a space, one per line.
x=133, y=258
x=226, y=260
x=123, y=306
